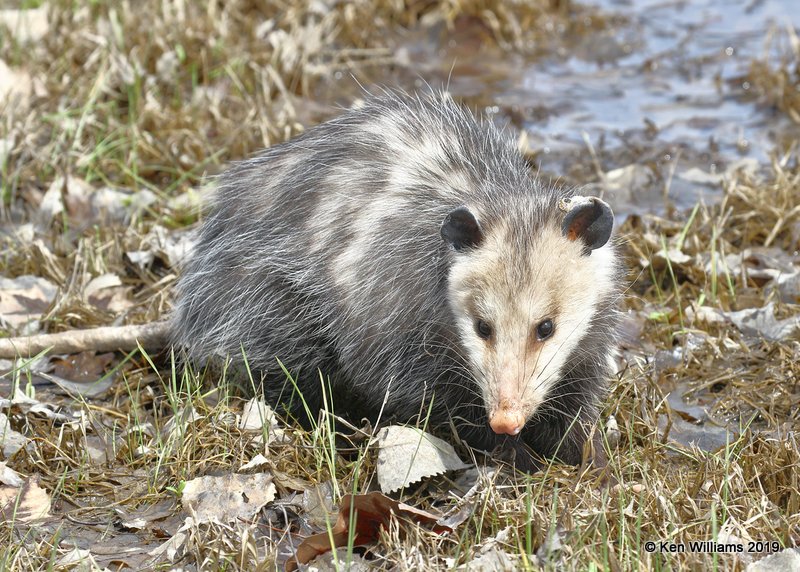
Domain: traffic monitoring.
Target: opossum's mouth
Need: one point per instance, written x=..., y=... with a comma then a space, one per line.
x=507, y=417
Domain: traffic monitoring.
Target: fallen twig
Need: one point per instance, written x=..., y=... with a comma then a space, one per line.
x=125, y=338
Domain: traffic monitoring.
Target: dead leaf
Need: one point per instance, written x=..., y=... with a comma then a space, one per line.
x=705, y=315
x=372, y=511
x=289, y=482
x=181, y=420
x=24, y=299
x=479, y=480
x=65, y=191
x=27, y=503
x=27, y=25
x=100, y=282
x=141, y=258
x=762, y=322
x=550, y=550
x=85, y=366
x=353, y=563
x=110, y=204
x=612, y=432
x=759, y=264
x=257, y=463
x=172, y=549
x=789, y=287
x=9, y=476
x=51, y=411
x=15, y=85
x=91, y=389
x=493, y=559
x=316, y=503
x=787, y=559
x=227, y=498
x=171, y=247
x=256, y=415
x=10, y=440
x=629, y=179
x=143, y=516
x=671, y=257
x=97, y=450
x=78, y=559
x=407, y=455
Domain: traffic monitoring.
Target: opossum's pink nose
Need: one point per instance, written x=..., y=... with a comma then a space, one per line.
x=507, y=419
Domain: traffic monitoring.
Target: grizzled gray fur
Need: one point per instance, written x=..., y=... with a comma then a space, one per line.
x=405, y=247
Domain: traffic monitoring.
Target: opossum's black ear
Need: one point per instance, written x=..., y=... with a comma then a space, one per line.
x=588, y=219
x=461, y=230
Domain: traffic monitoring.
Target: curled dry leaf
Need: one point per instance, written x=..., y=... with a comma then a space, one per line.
x=372, y=512
x=317, y=503
x=257, y=463
x=107, y=293
x=9, y=476
x=257, y=414
x=77, y=559
x=481, y=480
x=179, y=423
x=90, y=389
x=172, y=549
x=172, y=247
x=492, y=557
x=670, y=257
x=65, y=192
x=407, y=455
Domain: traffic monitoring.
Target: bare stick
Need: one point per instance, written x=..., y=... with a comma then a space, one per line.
x=151, y=337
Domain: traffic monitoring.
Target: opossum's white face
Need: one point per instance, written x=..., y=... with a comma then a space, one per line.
x=522, y=310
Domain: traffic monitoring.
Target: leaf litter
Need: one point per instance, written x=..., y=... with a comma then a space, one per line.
x=103, y=182
x=227, y=497
x=407, y=455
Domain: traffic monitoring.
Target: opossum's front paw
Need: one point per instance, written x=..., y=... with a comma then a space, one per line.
x=518, y=455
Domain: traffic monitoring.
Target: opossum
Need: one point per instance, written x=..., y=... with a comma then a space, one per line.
x=402, y=258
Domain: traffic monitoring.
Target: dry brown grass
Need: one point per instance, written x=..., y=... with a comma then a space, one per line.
x=150, y=98
x=778, y=85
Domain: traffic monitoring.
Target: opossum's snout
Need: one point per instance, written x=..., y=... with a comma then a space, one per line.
x=507, y=418
x=511, y=406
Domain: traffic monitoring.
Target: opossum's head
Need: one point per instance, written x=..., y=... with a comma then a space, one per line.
x=523, y=296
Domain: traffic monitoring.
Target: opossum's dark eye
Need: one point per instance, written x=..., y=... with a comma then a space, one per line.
x=484, y=329
x=545, y=329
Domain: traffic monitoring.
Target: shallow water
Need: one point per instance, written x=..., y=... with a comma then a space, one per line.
x=656, y=85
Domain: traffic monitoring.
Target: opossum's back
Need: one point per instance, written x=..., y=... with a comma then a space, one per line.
x=336, y=233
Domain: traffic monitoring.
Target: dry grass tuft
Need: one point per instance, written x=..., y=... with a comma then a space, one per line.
x=132, y=105
x=779, y=86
